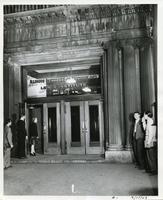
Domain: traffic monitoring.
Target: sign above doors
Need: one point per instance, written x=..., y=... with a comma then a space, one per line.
x=36, y=87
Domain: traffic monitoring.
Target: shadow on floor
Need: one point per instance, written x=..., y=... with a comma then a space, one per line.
x=145, y=192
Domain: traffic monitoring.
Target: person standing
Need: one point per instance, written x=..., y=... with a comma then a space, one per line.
x=22, y=136
x=14, y=135
x=150, y=142
x=33, y=132
x=138, y=139
x=8, y=144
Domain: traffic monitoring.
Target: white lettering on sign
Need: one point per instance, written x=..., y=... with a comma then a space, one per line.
x=36, y=87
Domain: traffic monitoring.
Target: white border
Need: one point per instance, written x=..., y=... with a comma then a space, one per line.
x=160, y=94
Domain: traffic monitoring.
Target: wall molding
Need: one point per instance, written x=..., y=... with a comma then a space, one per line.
x=70, y=21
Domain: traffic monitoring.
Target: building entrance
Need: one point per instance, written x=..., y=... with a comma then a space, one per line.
x=84, y=127
x=79, y=128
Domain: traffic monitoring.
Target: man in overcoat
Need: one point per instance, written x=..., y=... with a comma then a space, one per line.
x=22, y=136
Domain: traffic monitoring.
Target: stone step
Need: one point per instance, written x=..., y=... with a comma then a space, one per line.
x=49, y=159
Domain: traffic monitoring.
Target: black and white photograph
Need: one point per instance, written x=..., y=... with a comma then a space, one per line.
x=80, y=100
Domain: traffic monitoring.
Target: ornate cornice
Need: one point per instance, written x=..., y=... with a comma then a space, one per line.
x=71, y=21
x=75, y=13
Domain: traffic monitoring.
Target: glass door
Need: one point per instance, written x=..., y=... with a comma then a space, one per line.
x=51, y=128
x=84, y=127
x=74, y=122
x=95, y=130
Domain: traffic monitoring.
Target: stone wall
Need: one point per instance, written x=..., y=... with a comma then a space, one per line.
x=120, y=34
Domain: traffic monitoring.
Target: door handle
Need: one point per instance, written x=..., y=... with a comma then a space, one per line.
x=84, y=128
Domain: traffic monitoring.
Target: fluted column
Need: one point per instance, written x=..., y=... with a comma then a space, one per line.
x=17, y=88
x=105, y=93
x=63, y=150
x=6, y=88
x=114, y=99
x=137, y=68
x=148, y=93
x=11, y=89
x=121, y=85
x=135, y=104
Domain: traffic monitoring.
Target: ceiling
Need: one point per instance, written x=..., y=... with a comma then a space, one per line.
x=61, y=67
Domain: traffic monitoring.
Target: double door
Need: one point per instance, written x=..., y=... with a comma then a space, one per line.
x=73, y=127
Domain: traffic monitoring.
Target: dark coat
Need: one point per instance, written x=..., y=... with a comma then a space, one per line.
x=139, y=131
x=21, y=131
x=33, y=130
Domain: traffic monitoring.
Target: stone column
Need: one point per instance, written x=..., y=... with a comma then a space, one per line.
x=17, y=88
x=63, y=150
x=137, y=94
x=114, y=99
x=115, y=151
x=105, y=93
x=6, y=88
x=121, y=84
x=11, y=89
x=137, y=68
x=148, y=93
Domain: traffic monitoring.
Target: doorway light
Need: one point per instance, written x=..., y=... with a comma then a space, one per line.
x=31, y=107
x=86, y=89
x=70, y=80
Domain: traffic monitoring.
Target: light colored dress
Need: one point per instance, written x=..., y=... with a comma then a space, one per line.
x=8, y=144
x=150, y=133
x=8, y=137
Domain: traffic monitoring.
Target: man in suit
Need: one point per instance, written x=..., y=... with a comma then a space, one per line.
x=138, y=141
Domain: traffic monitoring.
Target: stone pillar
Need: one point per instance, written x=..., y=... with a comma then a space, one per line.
x=114, y=96
x=121, y=80
x=152, y=94
x=115, y=151
x=6, y=87
x=148, y=93
x=137, y=68
x=105, y=93
x=137, y=106
x=11, y=89
x=17, y=88
x=63, y=150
